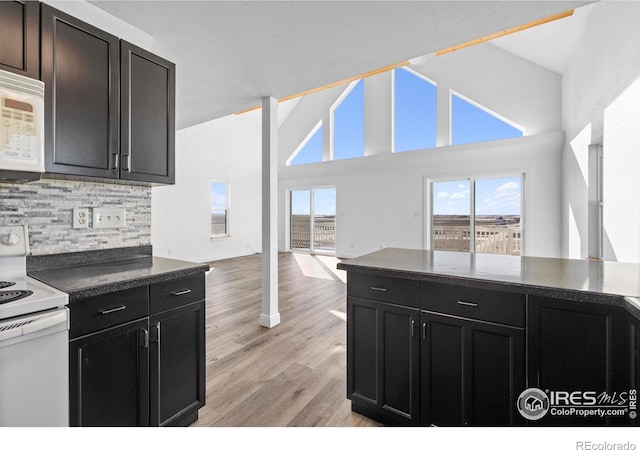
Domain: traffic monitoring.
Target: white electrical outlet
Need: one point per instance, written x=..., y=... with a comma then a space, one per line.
x=80, y=217
x=109, y=218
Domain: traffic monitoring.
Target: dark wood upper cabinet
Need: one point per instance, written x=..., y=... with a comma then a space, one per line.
x=20, y=37
x=81, y=70
x=148, y=116
x=110, y=106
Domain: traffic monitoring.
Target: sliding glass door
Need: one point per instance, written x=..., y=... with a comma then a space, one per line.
x=480, y=215
x=313, y=220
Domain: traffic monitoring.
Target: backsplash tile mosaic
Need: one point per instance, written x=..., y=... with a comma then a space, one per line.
x=46, y=206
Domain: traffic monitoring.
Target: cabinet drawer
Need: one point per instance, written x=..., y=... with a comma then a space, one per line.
x=399, y=291
x=103, y=311
x=474, y=303
x=173, y=293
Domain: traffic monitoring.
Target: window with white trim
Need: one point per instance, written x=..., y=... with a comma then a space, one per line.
x=310, y=150
x=219, y=209
x=348, y=123
x=414, y=98
x=472, y=122
x=482, y=215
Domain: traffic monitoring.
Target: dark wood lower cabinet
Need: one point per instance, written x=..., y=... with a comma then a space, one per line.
x=177, y=365
x=464, y=355
x=472, y=371
x=577, y=347
x=137, y=356
x=383, y=361
x=109, y=377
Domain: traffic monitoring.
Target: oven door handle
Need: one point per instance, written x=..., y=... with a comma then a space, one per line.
x=44, y=322
x=29, y=325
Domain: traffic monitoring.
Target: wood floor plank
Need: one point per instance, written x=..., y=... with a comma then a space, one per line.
x=292, y=375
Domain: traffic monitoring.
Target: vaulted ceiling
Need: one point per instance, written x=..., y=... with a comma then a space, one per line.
x=229, y=54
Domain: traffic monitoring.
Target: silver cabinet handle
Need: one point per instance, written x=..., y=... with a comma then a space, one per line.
x=460, y=302
x=374, y=288
x=126, y=162
x=112, y=310
x=182, y=292
x=413, y=327
x=145, y=338
x=114, y=164
x=156, y=326
x=424, y=330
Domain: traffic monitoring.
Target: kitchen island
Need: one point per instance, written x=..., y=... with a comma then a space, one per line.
x=452, y=339
x=137, y=335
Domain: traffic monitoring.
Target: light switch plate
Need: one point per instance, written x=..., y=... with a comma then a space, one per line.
x=80, y=217
x=109, y=218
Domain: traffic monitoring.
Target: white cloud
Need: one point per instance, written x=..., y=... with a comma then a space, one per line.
x=443, y=195
x=508, y=186
x=458, y=195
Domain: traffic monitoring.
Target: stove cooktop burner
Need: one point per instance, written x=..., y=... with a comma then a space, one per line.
x=10, y=296
x=6, y=284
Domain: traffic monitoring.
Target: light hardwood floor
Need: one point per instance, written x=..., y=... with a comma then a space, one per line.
x=292, y=375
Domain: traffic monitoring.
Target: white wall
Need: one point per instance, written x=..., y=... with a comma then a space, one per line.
x=509, y=85
x=380, y=198
x=600, y=104
x=226, y=149
x=381, y=203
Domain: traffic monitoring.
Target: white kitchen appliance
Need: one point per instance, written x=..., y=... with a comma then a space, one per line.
x=21, y=127
x=34, y=341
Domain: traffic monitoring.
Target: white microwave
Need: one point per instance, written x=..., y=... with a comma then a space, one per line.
x=21, y=127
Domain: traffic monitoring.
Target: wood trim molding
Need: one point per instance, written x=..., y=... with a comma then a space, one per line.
x=511, y=30
x=453, y=48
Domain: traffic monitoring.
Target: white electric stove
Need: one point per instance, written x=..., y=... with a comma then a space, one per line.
x=34, y=341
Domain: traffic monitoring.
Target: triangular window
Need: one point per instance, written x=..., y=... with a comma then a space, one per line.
x=472, y=123
x=311, y=149
x=348, y=123
x=415, y=111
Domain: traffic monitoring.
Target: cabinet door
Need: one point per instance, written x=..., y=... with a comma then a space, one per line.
x=81, y=71
x=20, y=43
x=177, y=366
x=148, y=116
x=576, y=346
x=109, y=377
x=383, y=360
x=472, y=372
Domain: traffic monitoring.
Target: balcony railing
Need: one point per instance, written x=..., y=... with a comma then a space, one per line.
x=504, y=240
x=324, y=233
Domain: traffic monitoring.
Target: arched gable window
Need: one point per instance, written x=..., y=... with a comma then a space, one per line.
x=471, y=122
x=414, y=111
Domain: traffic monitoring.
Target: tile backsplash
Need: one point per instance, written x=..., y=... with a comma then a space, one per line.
x=46, y=206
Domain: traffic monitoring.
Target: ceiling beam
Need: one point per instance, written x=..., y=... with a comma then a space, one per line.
x=453, y=48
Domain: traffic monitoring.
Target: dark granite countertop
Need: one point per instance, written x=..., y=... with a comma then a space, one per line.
x=582, y=280
x=86, y=274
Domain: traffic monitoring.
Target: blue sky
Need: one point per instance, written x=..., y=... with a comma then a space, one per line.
x=494, y=196
x=218, y=195
x=415, y=121
x=324, y=202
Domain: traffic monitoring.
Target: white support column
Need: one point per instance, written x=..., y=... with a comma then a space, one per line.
x=270, y=317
